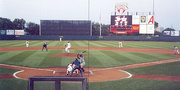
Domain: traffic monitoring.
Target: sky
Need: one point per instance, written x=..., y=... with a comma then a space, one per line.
x=167, y=12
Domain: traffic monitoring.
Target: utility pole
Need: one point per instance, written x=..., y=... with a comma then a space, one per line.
x=89, y=17
x=100, y=23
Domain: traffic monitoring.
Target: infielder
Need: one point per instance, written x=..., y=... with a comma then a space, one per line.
x=68, y=46
x=176, y=50
x=27, y=43
x=120, y=44
x=45, y=45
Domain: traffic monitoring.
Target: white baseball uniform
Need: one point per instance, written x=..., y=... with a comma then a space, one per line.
x=68, y=47
x=176, y=50
x=27, y=43
x=70, y=68
x=120, y=44
x=82, y=61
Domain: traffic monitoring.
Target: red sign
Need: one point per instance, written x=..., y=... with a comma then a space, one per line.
x=135, y=28
x=121, y=32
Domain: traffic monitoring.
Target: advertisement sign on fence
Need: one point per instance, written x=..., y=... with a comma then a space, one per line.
x=19, y=32
x=9, y=32
x=2, y=32
x=174, y=33
x=167, y=33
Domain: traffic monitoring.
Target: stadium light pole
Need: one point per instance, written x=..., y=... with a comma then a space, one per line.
x=89, y=17
x=153, y=7
x=100, y=29
x=154, y=15
x=100, y=23
x=40, y=28
x=90, y=34
x=88, y=9
x=88, y=40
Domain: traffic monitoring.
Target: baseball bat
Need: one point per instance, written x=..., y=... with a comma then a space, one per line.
x=83, y=51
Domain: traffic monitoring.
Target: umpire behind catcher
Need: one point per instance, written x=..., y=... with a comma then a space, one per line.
x=77, y=66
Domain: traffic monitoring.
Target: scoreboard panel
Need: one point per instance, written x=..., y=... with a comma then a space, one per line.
x=65, y=27
x=128, y=24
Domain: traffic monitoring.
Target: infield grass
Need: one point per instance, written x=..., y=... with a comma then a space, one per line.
x=6, y=71
x=97, y=58
x=101, y=59
x=172, y=69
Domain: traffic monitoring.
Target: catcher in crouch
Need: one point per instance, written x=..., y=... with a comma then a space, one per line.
x=69, y=69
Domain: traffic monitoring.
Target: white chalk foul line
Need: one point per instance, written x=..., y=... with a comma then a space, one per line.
x=91, y=72
x=25, y=67
x=130, y=75
x=14, y=74
x=19, y=67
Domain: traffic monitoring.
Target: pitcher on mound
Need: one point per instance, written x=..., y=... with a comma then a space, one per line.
x=68, y=46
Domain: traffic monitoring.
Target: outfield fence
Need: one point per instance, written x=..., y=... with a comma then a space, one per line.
x=118, y=38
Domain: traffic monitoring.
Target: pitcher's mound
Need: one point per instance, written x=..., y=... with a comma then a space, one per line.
x=71, y=55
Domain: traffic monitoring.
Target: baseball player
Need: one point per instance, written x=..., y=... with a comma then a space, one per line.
x=176, y=50
x=69, y=69
x=60, y=39
x=82, y=61
x=68, y=46
x=120, y=44
x=27, y=43
x=77, y=66
x=45, y=45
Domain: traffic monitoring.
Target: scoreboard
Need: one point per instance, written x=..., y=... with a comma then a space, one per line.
x=65, y=27
x=121, y=24
x=128, y=24
x=121, y=20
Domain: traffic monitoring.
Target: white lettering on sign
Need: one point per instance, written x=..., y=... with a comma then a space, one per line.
x=121, y=21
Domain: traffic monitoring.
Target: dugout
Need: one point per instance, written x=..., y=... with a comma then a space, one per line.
x=65, y=27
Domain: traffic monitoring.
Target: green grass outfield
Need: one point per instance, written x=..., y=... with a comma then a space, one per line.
x=102, y=59
x=129, y=44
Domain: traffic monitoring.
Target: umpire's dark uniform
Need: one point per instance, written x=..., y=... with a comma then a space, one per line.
x=77, y=66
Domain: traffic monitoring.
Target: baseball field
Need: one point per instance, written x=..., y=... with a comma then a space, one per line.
x=135, y=66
